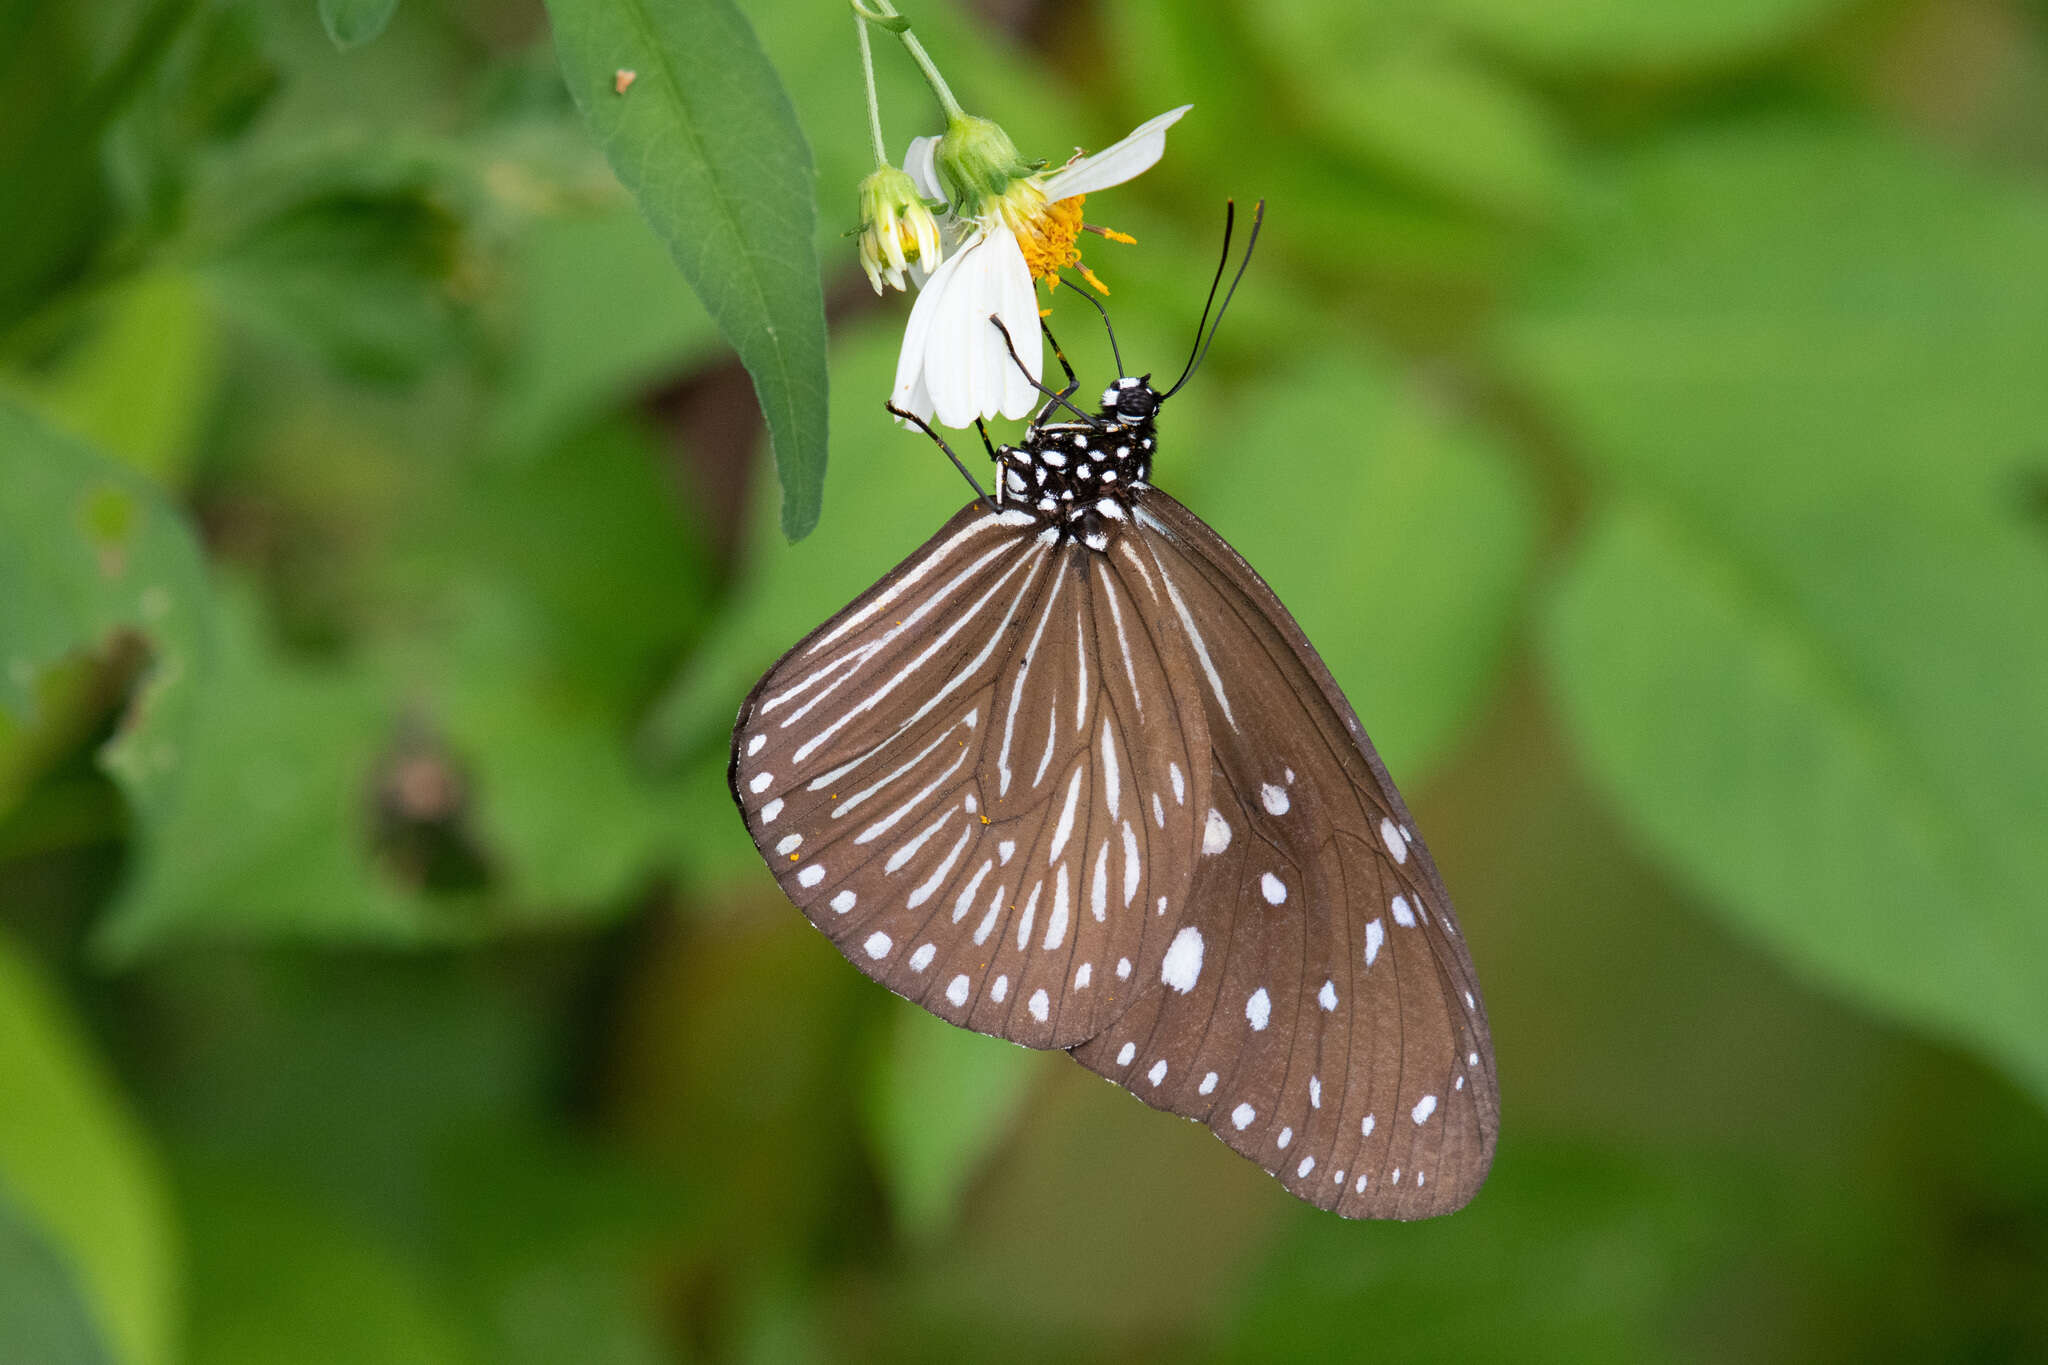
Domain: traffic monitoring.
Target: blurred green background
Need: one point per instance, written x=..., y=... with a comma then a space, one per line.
x=1643, y=406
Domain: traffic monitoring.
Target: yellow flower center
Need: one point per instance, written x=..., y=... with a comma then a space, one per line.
x=1049, y=239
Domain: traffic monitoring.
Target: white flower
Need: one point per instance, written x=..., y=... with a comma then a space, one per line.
x=954, y=365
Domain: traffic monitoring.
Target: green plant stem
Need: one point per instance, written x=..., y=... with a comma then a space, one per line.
x=867, y=70
x=883, y=10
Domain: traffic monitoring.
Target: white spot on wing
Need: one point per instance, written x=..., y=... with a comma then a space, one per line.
x=1208, y=1084
x=1123, y=969
x=1124, y=1055
x=1182, y=966
x=922, y=958
x=1258, y=1011
x=1242, y=1116
x=1424, y=1107
x=1180, y=794
x=878, y=945
x=1274, y=799
x=1327, y=996
x=1375, y=935
x=811, y=875
x=760, y=783
x=756, y=744
x=1286, y=1138
x=1403, y=916
x=844, y=902
x=790, y=843
x=1040, y=1005
x=1397, y=845
x=1272, y=888
x=1000, y=991
x=1083, y=975
x=1216, y=834
x=956, y=990
x=1158, y=1072
x=770, y=811
x=1308, y=1163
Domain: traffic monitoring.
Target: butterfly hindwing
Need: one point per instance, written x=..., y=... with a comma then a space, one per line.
x=1321, y=1013
x=976, y=780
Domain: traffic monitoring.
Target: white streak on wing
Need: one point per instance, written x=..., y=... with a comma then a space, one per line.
x=966, y=901
x=960, y=676
x=988, y=921
x=1065, y=830
x=1052, y=731
x=1139, y=564
x=1116, y=614
x=860, y=656
x=1081, y=664
x=909, y=850
x=890, y=821
x=1375, y=935
x=1187, y=622
x=1056, y=922
x=931, y=887
x=903, y=584
x=1112, y=779
x=1180, y=791
x=1098, y=897
x=864, y=793
x=1158, y=812
x=1030, y=909
x=1017, y=691
x=1132, y=867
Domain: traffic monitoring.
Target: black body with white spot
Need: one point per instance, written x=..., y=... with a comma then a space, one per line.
x=1080, y=478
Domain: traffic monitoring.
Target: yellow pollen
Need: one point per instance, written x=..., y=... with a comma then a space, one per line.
x=1048, y=238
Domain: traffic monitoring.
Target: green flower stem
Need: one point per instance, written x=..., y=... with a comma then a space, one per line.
x=867, y=70
x=885, y=15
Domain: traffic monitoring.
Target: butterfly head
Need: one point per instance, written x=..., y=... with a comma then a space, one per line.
x=1132, y=403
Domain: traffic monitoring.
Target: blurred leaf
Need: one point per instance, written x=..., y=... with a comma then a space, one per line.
x=708, y=143
x=1805, y=658
x=939, y=1099
x=271, y=832
x=89, y=554
x=1628, y=34
x=1740, y=745
x=1568, y=1255
x=358, y=252
x=590, y=336
x=74, y=1164
x=351, y=23
x=1450, y=124
x=138, y=386
x=1423, y=533
x=42, y=1316
x=277, y=1278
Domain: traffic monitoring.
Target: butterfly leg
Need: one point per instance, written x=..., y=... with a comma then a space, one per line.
x=925, y=427
x=986, y=443
x=1059, y=398
x=1073, y=380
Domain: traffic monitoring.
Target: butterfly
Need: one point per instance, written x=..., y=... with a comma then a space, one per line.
x=1071, y=775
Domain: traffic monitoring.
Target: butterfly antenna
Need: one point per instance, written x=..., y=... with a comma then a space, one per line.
x=1096, y=304
x=1054, y=394
x=1201, y=346
x=926, y=428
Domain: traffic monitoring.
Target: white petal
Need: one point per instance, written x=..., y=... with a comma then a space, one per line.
x=1115, y=164
x=962, y=353
x=912, y=392
x=920, y=162
x=1019, y=312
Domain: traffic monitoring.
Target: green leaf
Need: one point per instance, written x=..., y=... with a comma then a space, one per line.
x=1630, y=34
x=278, y=1277
x=77, y=1173
x=91, y=554
x=708, y=143
x=139, y=385
x=1805, y=655
x=939, y=1099
x=1738, y=743
x=351, y=23
x=1424, y=535
x=42, y=1314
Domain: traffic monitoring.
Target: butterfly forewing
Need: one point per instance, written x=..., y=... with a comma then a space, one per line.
x=977, y=781
x=1319, y=1011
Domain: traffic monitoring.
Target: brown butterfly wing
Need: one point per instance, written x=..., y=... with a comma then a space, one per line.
x=1319, y=1010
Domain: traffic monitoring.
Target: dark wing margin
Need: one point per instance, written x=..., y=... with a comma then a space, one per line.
x=1318, y=1009
x=958, y=779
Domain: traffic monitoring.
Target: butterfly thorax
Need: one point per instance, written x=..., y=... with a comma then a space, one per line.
x=1080, y=479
